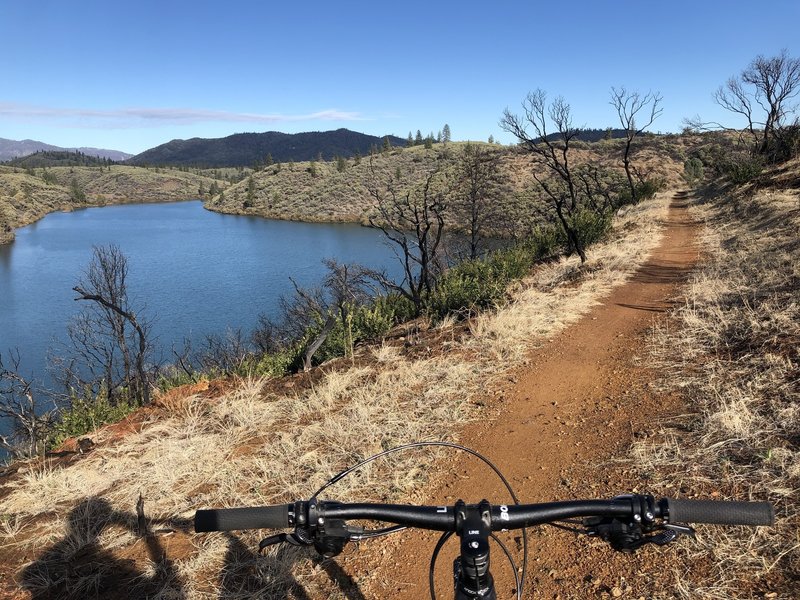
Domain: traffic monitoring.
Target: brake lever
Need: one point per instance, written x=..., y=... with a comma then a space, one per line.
x=629, y=537
x=679, y=529
x=288, y=538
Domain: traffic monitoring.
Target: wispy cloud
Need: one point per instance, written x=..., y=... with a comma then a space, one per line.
x=133, y=117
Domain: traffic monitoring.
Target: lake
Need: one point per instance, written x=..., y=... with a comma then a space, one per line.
x=195, y=272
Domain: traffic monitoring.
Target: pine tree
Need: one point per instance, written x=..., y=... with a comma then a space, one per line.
x=446, y=133
x=251, y=192
x=418, y=141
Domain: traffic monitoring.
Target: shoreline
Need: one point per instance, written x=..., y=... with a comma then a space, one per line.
x=8, y=237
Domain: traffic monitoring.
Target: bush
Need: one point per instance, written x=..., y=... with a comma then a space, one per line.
x=365, y=323
x=742, y=168
x=644, y=190
x=279, y=363
x=170, y=377
x=786, y=144
x=545, y=241
x=693, y=171
x=86, y=415
x=649, y=188
x=590, y=226
x=482, y=282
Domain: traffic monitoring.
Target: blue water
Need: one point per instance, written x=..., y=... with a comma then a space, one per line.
x=193, y=271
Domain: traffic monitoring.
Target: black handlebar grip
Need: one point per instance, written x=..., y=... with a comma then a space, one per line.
x=229, y=519
x=720, y=512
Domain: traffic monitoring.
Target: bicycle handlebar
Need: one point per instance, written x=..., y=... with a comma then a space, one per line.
x=721, y=513
x=255, y=517
x=443, y=518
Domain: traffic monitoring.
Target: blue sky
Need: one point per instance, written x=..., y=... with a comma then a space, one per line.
x=130, y=76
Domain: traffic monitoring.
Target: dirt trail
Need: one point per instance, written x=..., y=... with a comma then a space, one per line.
x=580, y=402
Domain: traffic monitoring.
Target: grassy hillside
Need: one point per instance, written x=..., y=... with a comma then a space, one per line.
x=27, y=195
x=324, y=191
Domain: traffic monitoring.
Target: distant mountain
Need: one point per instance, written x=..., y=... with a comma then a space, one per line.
x=248, y=149
x=10, y=149
x=115, y=155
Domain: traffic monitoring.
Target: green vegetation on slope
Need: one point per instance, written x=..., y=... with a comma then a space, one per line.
x=58, y=158
x=328, y=191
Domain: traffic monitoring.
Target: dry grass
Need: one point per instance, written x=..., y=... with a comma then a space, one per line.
x=253, y=447
x=545, y=304
x=292, y=192
x=735, y=353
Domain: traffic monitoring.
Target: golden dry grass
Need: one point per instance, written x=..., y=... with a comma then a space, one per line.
x=292, y=192
x=253, y=447
x=734, y=353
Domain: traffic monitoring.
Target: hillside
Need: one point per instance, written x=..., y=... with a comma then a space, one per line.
x=10, y=149
x=326, y=191
x=27, y=195
x=339, y=192
x=248, y=149
x=57, y=158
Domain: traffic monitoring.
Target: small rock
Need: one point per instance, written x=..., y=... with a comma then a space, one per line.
x=616, y=592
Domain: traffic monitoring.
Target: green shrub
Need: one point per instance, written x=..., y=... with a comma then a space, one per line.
x=48, y=177
x=172, y=377
x=649, y=188
x=84, y=416
x=590, y=226
x=545, y=241
x=278, y=364
x=365, y=323
x=482, y=282
x=644, y=190
x=742, y=168
x=693, y=170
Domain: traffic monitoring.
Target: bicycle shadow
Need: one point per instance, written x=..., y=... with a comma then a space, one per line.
x=78, y=566
x=246, y=574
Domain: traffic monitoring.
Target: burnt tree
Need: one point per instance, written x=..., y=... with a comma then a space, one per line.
x=550, y=152
x=412, y=219
x=112, y=334
x=636, y=113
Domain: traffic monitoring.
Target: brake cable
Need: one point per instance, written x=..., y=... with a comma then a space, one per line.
x=520, y=580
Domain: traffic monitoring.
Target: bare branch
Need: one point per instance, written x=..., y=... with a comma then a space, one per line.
x=629, y=105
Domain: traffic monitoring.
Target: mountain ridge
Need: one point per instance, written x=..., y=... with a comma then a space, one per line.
x=11, y=149
x=249, y=149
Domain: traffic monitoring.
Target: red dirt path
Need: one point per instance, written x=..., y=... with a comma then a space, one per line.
x=578, y=404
